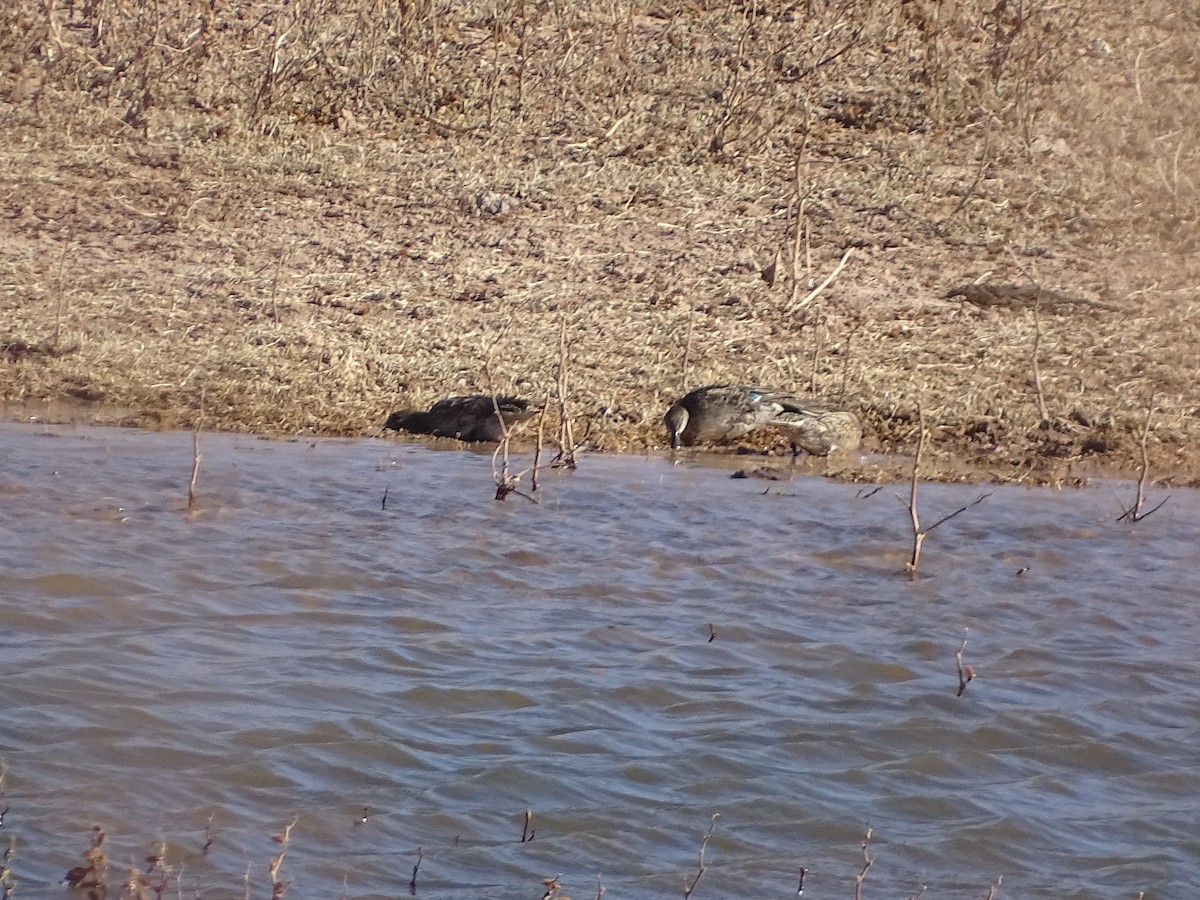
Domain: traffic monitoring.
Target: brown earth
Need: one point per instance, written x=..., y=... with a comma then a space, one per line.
x=295, y=220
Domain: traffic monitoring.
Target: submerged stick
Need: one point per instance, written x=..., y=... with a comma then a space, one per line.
x=867, y=861
x=195, y=468
x=919, y=533
x=196, y=454
x=702, y=866
x=412, y=884
x=966, y=674
x=1134, y=513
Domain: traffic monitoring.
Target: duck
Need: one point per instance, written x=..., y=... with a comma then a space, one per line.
x=820, y=432
x=469, y=418
x=718, y=413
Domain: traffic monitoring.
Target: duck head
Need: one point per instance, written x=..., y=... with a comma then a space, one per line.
x=676, y=420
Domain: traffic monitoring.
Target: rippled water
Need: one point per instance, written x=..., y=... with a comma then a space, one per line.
x=291, y=650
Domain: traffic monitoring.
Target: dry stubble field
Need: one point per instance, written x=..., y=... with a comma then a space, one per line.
x=293, y=219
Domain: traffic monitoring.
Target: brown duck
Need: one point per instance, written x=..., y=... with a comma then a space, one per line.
x=724, y=412
x=470, y=418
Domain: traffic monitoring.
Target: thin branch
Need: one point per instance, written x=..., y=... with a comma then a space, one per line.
x=537, y=450
x=918, y=532
x=279, y=888
x=687, y=348
x=566, y=427
x=195, y=455
x=1134, y=514
x=801, y=223
x=966, y=674
x=963, y=509
x=867, y=860
x=1038, y=395
x=702, y=866
x=815, y=292
x=412, y=884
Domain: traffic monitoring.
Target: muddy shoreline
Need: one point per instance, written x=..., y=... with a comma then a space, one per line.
x=873, y=231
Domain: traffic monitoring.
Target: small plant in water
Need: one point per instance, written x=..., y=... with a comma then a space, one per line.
x=92, y=876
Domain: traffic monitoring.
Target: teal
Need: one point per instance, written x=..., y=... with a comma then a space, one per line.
x=469, y=418
x=724, y=412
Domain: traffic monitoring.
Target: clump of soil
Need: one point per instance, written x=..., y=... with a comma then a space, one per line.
x=298, y=220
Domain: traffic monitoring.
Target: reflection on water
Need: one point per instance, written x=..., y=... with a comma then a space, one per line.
x=292, y=650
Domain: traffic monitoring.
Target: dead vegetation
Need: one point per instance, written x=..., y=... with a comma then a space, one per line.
x=316, y=215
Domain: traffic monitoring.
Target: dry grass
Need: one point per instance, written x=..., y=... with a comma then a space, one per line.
x=315, y=216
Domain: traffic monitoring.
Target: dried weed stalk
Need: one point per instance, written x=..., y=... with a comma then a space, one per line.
x=527, y=830
x=802, y=189
x=209, y=836
x=60, y=310
x=701, y=865
x=966, y=674
x=1134, y=513
x=567, y=446
x=506, y=480
x=412, y=882
x=816, y=292
x=920, y=533
x=8, y=884
x=279, y=887
x=150, y=884
x=92, y=876
x=867, y=861
x=195, y=455
x=1039, y=393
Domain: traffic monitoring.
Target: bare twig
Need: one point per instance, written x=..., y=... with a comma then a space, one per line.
x=801, y=224
x=537, y=450
x=527, y=832
x=195, y=455
x=1134, y=513
x=279, y=888
x=800, y=889
x=61, y=307
x=966, y=674
x=566, y=427
x=817, y=347
x=412, y=884
x=920, y=533
x=815, y=292
x=208, y=836
x=702, y=866
x=995, y=889
x=1038, y=395
x=687, y=348
x=275, y=283
x=867, y=860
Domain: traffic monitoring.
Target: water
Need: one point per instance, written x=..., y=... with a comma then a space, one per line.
x=290, y=650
